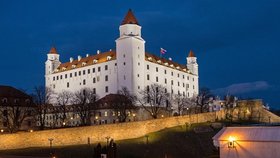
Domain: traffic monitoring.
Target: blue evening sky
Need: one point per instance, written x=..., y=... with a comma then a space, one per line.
x=236, y=41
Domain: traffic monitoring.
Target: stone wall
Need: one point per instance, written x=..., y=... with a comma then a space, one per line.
x=80, y=135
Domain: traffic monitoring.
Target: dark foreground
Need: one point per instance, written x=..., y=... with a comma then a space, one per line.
x=176, y=142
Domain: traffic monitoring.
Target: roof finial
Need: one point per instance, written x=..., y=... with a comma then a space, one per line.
x=129, y=18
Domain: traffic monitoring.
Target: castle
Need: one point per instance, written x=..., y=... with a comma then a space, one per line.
x=128, y=66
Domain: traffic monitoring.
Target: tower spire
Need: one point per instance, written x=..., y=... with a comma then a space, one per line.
x=53, y=50
x=191, y=54
x=129, y=18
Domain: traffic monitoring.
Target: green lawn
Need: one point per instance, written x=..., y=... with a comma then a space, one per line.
x=169, y=143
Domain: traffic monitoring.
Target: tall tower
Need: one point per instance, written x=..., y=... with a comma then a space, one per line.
x=51, y=64
x=130, y=49
x=192, y=63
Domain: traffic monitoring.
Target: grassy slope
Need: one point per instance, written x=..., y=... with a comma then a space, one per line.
x=171, y=143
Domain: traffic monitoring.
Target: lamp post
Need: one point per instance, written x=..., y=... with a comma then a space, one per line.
x=50, y=140
x=107, y=138
x=134, y=115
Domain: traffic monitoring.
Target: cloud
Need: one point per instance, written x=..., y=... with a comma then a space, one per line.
x=241, y=88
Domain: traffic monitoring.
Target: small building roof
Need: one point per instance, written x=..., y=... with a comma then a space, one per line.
x=129, y=18
x=258, y=133
x=11, y=92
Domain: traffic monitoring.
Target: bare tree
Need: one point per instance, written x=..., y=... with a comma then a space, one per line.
x=15, y=111
x=41, y=97
x=63, y=100
x=229, y=106
x=124, y=104
x=153, y=99
x=203, y=99
x=85, y=105
x=183, y=103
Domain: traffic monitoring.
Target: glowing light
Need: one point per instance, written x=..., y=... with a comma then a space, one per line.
x=96, y=117
x=63, y=123
x=162, y=115
x=231, y=141
x=133, y=115
x=31, y=130
x=2, y=130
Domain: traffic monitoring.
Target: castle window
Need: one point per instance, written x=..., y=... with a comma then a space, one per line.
x=80, y=73
x=148, y=67
x=84, y=82
x=183, y=76
x=106, y=78
x=164, y=71
x=188, y=94
x=193, y=86
x=171, y=82
x=156, y=69
x=106, y=89
x=165, y=90
x=93, y=70
x=138, y=64
x=124, y=55
x=178, y=83
x=172, y=73
x=88, y=71
x=124, y=77
x=54, y=86
x=183, y=93
x=97, y=78
x=123, y=63
x=178, y=92
x=67, y=84
x=65, y=75
x=95, y=61
x=94, y=80
x=138, y=75
x=57, y=78
x=70, y=75
x=148, y=77
x=188, y=86
x=188, y=78
x=193, y=79
x=5, y=100
x=60, y=76
x=106, y=67
x=94, y=91
x=148, y=89
x=75, y=74
x=178, y=75
x=53, y=78
x=138, y=87
x=84, y=72
x=156, y=79
x=165, y=81
x=99, y=69
x=183, y=84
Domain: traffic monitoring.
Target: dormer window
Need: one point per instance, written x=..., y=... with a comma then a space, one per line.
x=109, y=57
x=159, y=61
x=84, y=63
x=178, y=67
x=56, y=70
x=63, y=68
x=95, y=61
x=172, y=65
x=150, y=58
x=166, y=64
x=184, y=69
x=73, y=66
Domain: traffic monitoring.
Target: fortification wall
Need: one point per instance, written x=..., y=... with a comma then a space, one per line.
x=80, y=135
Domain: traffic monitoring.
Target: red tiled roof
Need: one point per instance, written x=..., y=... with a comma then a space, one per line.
x=100, y=58
x=129, y=18
x=191, y=54
x=53, y=51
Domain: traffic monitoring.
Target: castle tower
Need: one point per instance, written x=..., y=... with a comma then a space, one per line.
x=130, y=48
x=52, y=62
x=192, y=63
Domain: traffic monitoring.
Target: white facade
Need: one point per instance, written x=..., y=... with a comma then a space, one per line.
x=129, y=66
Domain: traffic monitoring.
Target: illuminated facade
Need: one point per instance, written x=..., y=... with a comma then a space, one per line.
x=128, y=66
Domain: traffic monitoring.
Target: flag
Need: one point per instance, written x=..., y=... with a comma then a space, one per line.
x=162, y=51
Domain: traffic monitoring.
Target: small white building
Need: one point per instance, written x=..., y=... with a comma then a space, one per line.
x=129, y=65
x=248, y=142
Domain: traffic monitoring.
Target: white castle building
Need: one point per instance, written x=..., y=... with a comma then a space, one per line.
x=128, y=66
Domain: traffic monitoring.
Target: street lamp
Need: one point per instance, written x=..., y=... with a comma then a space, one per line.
x=2, y=130
x=134, y=115
x=231, y=141
x=107, y=140
x=50, y=140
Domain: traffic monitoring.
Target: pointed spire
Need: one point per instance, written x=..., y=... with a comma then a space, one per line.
x=191, y=54
x=53, y=51
x=129, y=18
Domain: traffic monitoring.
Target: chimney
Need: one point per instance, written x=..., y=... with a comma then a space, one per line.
x=98, y=51
x=71, y=60
x=87, y=55
x=170, y=59
x=79, y=57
